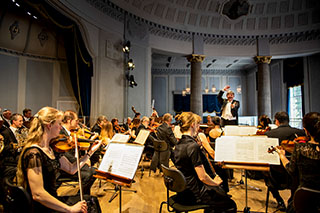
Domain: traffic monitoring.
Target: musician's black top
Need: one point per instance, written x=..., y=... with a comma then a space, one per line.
x=305, y=164
x=188, y=155
x=35, y=157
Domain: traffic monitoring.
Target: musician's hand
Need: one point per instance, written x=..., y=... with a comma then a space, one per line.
x=217, y=180
x=226, y=88
x=280, y=150
x=81, y=206
x=96, y=135
x=95, y=147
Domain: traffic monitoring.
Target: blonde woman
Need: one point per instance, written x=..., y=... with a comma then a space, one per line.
x=190, y=160
x=106, y=133
x=38, y=167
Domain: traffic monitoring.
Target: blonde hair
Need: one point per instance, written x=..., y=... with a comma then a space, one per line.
x=107, y=131
x=45, y=116
x=186, y=119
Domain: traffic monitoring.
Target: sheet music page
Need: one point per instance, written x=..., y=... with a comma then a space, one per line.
x=121, y=138
x=177, y=133
x=249, y=149
x=239, y=130
x=142, y=137
x=121, y=159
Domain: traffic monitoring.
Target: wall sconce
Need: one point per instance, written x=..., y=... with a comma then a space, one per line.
x=213, y=88
x=184, y=93
x=239, y=89
x=187, y=89
x=131, y=64
x=126, y=47
x=206, y=90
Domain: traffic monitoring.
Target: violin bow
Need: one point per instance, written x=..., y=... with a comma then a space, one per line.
x=78, y=165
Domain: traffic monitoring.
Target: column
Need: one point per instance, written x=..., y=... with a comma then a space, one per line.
x=264, y=86
x=196, y=90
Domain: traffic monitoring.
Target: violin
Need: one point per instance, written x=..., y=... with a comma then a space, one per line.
x=288, y=145
x=62, y=143
x=261, y=131
x=119, y=129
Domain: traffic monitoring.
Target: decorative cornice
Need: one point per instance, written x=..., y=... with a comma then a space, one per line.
x=262, y=59
x=204, y=72
x=117, y=13
x=17, y=53
x=195, y=58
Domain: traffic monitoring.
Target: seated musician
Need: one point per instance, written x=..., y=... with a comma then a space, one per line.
x=27, y=117
x=148, y=150
x=38, y=165
x=278, y=178
x=107, y=133
x=98, y=125
x=189, y=159
x=305, y=159
x=11, y=151
x=216, y=131
x=70, y=122
x=164, y=132
x=263, y=126
x=128, y=124
x=209, y=121
x=135, y=125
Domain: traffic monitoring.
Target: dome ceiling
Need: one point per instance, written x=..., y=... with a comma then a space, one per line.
x=265, y=17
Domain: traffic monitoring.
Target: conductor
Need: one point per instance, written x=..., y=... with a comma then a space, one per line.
x=229, y=107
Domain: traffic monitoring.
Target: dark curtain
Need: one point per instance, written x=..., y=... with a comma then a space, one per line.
x=209, y=102
x=293, y=71
x=79, y=61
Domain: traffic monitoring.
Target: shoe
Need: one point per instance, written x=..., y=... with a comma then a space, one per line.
x=281, y=206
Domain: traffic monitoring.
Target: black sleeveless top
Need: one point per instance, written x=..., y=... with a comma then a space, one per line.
x=34, y=157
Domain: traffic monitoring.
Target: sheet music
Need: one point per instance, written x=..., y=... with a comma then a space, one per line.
x=239, y=130
x=177, y=133
x=121, y=159
x=142, y=137
x=248, y=149
x=121, y=138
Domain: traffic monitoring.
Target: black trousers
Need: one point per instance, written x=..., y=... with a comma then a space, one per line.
x=228, y=122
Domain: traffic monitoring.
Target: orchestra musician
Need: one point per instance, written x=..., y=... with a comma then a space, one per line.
x=128, y=124
x=98, y=125
x=11, y=151
x=165, y=133
x=305, y=160
x=278, y=177
x=106, y=133
x=200, y=187
x=27, y=117
x=38, y=165
x=70, y=122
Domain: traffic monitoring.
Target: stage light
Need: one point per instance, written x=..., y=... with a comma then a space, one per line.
x=126, y=47
x=132, y=82
x=131, y=64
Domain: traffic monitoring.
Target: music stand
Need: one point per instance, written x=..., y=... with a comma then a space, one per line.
x=119, y=165
x=246, y=166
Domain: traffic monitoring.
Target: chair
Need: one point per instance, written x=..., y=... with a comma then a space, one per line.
x=158, y=146
x=176, y=182
x=306, y=200
x=17, y=198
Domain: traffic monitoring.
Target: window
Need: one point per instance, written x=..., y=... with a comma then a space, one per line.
x=295, y=106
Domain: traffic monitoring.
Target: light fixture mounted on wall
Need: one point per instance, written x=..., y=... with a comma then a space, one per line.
x=132, y=82
x=213, y=88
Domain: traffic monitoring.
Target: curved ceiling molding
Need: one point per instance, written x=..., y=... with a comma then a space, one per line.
x=274, y=20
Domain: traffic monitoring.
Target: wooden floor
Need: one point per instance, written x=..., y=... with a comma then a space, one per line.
x=151, y=192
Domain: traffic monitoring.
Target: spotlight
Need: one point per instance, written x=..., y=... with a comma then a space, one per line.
x=131, y=64
x=132, y=82
x=126, y=47
x=29, y=13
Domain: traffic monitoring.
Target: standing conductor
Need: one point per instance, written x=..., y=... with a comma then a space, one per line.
x=229, y=107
